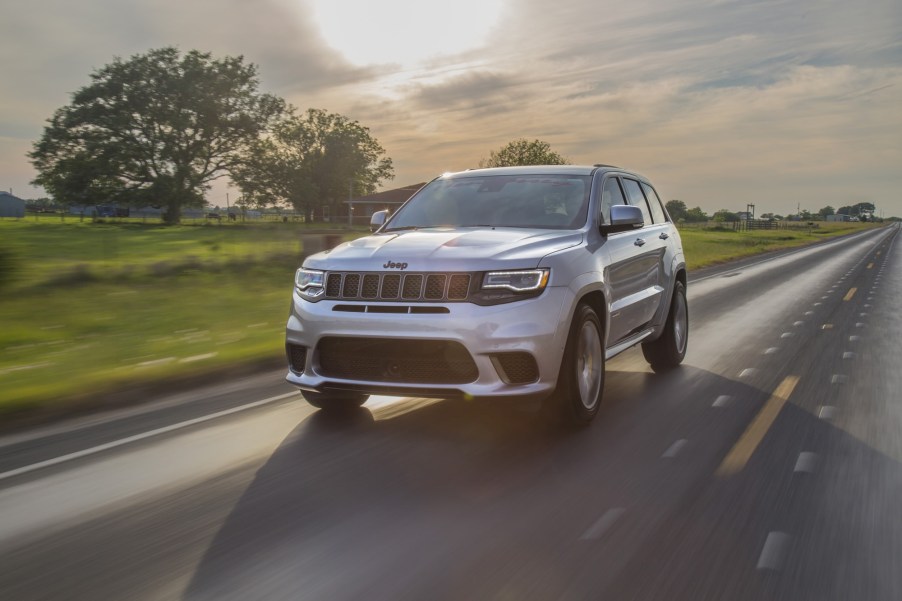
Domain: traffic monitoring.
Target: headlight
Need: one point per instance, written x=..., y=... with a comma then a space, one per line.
x=309, y=282
x=533, y=280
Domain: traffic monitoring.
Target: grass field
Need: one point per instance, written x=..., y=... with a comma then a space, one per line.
x=96, y=307
x=704, y=247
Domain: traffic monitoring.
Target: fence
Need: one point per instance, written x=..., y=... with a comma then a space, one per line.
x=746, y=225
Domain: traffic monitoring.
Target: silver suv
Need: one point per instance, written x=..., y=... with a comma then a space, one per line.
x=514, y=281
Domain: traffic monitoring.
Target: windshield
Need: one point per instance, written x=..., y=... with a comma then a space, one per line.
x=527, y=201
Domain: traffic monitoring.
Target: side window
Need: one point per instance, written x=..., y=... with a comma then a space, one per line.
x=635, y=197
x=611, y=195
x=655, y=203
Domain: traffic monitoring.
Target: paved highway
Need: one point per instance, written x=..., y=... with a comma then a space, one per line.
x=768, y=467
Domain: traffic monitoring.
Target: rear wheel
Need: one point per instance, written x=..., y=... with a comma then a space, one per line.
x=335, y=401
x=669, y=350
x=581, y=379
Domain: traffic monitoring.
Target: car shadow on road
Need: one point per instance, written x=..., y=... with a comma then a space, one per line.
x=455, y=499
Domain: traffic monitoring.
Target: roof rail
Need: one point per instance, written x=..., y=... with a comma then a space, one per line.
x=603, y=165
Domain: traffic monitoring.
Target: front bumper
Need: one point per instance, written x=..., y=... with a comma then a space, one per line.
x=538, y=326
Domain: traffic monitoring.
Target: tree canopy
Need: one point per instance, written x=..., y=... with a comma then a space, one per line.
x=155, y=129
x=677, y=209
x=523, y=152
x=313, y=160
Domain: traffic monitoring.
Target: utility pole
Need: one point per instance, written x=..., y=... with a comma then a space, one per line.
x=350, y=204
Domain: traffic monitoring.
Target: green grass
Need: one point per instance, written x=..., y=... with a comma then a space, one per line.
x=704, y=247
x=97, y=307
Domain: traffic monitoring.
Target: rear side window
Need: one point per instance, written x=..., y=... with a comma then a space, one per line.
x=611, y=195
x=655, y=203
x=636, y=198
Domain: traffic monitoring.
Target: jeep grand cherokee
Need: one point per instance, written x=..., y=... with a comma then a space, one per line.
x=513, y=281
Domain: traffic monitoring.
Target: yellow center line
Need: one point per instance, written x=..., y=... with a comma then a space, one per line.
x=850, y=294
x=742, y=451
x=870, y=265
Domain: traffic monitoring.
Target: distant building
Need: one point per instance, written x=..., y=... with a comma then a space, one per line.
x=362, y=208
x=838, y=217
x=11, y=206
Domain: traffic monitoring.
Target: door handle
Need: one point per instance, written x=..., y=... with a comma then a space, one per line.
x=639, y=242
x=663, y=236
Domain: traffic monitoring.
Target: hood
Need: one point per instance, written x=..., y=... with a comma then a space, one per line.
x=446, y=250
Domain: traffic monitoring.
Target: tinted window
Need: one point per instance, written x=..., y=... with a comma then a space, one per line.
x=611, y=195
x=529, y=201
x=636, y=198
x=655, y=203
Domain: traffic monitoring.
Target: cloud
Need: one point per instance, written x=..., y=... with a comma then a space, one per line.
x=720, y=103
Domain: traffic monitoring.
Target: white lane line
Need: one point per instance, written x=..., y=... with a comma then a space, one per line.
x=722, y=401
x=798, y=323
x=674, y=449
x=603, y=524
x=848, y=355
x=144, y=435
x=809, y=312
x=771, y=350
x=859, y=325
x=854, y=338
x=817, y=304
x=826, y=412
x=785, y=335
x=774, y=552
x=806, y=463
x=748, y=372
x=839, y=379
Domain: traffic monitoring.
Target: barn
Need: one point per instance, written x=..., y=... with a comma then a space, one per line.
x=11, y=206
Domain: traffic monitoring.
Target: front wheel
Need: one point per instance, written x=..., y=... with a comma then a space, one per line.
x=335, y=401
x=669, y=350
x=581, y=379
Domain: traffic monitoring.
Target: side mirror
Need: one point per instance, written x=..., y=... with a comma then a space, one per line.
x=377, y=220
x=623, y=219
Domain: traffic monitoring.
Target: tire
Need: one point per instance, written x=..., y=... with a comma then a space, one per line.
x=581, y=379
x=335, y=401
x=668, y=351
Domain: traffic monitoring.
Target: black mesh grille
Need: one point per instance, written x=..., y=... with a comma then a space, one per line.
x=333, y=285
x=413, y=284
x=459, y=287
x=397, y=361
x=297, y=357
x=391, y=286
x=435, y=287
x=420, y=287
x=351, y=286
x=370, y=286
x=518, y=368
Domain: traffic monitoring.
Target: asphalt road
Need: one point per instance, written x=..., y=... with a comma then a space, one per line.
x=767, y=467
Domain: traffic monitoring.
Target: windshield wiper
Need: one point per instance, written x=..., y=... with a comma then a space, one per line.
x=404, y=228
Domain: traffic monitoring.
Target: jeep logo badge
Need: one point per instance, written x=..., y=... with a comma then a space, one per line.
x=393, y=265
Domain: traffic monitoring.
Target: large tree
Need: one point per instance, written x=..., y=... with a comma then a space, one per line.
x=523, y=152
x=155, y=129
x=677, y=209
x=313, y=160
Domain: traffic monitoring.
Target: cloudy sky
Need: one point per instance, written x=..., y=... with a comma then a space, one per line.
x=780, y=103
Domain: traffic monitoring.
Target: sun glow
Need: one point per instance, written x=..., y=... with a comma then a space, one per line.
x=405, y=32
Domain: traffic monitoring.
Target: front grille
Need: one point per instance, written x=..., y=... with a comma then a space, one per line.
x=297, y=357
x=396, y=361
x=422, y=287
x=517, y=368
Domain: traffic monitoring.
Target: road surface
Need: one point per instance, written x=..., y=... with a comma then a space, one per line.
x=769, y=466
